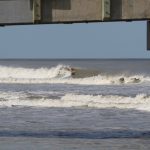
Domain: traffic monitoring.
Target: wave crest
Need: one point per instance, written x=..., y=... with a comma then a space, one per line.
x=31, y=73
x=139, y=102
x=64, y=74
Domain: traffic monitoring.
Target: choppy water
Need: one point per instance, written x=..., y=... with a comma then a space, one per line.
x=75, y=104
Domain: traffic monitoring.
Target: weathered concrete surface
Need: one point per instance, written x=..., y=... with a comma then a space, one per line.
x=130, y=9
x=71, y=10
x=142, y=9
x=15, y=11
x=21, y=11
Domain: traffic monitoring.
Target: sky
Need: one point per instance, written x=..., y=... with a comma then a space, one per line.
x=93, y=40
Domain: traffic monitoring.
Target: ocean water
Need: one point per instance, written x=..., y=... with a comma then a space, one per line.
x=75, y=104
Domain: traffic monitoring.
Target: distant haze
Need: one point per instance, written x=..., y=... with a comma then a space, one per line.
x=94, y=40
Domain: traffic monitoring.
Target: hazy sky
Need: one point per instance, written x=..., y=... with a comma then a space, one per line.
x=93, y=40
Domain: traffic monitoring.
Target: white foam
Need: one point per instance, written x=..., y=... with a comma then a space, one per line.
x=60, y=74
x=10, y=73
x=139, y=102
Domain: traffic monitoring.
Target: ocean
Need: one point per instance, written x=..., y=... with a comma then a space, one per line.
x=68, y=104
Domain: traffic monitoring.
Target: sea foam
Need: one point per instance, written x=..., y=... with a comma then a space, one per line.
x=63, y=74
x=139, y=102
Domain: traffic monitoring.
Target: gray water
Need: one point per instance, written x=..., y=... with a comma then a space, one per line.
x=93, y=109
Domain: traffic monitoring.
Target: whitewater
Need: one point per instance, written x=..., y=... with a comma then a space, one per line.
x=63, y=74
x=75, y=104
x=139, y=102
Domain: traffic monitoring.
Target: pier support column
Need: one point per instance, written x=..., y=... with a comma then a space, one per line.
x=36, y=11
x=106, y=10
x=148, y=35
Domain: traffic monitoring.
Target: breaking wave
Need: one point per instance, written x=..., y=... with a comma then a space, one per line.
x=64, y=74
x=139, y=102
x=31, y=73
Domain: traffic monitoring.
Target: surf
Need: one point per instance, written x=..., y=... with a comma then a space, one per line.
x=65, y=74
x=20, y=99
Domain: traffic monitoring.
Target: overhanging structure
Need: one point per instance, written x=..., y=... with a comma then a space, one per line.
x=17, y=12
